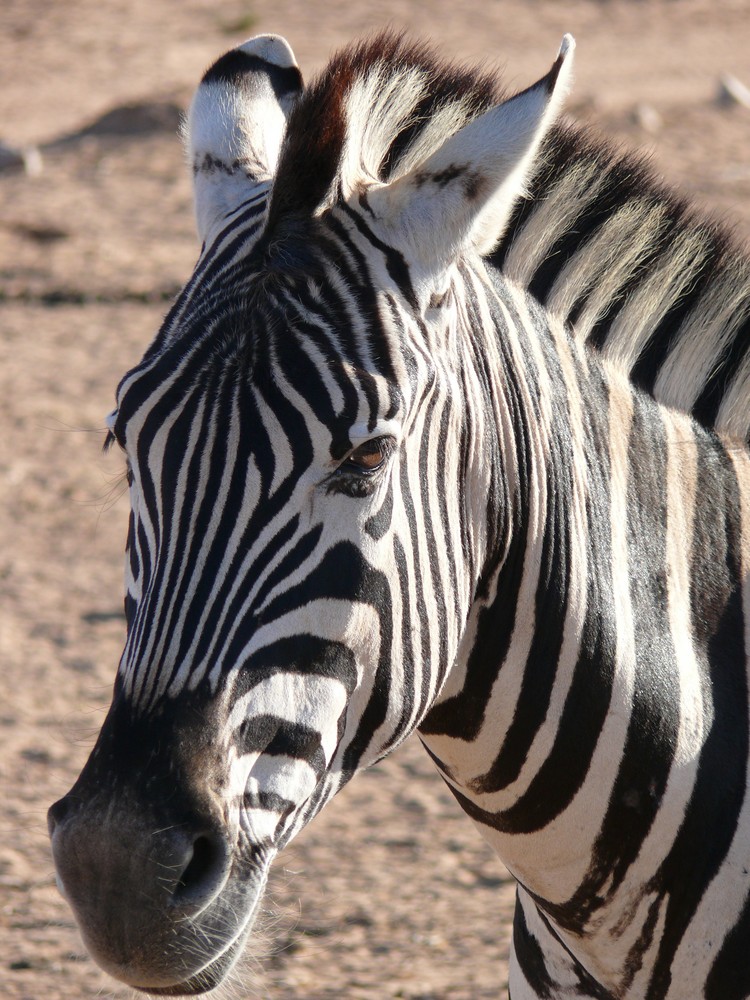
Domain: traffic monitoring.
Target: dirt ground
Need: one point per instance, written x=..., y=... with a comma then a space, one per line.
x=391, y=892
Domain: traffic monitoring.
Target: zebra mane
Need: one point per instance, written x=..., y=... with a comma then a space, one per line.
x=379, y=108
x=640, y=276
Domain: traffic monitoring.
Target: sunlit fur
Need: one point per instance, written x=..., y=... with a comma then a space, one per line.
x=547, y=575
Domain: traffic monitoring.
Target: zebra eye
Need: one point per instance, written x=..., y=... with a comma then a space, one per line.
x=367, y=458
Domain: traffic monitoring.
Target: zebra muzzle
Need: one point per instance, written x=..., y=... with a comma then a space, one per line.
x=160, y=905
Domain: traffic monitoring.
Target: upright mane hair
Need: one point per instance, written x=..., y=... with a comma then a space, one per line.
x=379, y=107
x=643, y=278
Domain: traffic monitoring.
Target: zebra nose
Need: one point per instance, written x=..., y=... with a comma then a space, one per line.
x=190, y=866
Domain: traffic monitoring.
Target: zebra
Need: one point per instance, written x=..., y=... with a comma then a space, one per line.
x=448, y=433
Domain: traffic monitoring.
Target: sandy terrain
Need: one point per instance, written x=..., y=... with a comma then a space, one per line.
x=391, y=892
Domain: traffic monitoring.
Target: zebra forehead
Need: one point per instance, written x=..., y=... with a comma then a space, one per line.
x=263, y=357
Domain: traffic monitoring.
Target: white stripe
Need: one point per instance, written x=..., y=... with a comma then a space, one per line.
x=304, y=699
x=725, y=898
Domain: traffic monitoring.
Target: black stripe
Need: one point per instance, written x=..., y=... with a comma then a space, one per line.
x=710, y=822
x=236, y=66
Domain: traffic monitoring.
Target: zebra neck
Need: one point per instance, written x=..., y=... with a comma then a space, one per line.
x=580, y=704
x=540, y=631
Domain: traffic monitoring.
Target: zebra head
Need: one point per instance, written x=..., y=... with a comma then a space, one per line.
x=310, y=461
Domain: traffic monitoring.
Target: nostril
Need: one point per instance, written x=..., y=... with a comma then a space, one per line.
x=201, y=864
x=57, y=813
x=204, y=873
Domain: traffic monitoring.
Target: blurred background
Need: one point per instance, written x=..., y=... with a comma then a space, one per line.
x=391, y=893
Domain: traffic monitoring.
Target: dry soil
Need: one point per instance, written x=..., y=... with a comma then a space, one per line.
x=391, y=892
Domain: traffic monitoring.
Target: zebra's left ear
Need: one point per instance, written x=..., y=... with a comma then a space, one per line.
x=236, y=124
x=464, y=193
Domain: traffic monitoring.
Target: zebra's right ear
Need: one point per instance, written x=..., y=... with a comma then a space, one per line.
x=236, y=124
x=463, y=194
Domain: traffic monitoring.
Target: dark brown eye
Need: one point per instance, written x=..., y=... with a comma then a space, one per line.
x=367, y=458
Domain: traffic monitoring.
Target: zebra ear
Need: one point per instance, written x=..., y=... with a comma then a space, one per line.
x=464, y=193
x=236, y=124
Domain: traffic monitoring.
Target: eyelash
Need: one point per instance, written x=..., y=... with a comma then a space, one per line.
x=381, y=447
x=109, y=440
x=349, y=467
x=358, y=481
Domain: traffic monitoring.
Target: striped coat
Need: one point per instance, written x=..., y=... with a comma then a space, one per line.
x=448, y=432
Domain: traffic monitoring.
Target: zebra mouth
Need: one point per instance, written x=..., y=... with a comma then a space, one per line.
x=207, y=979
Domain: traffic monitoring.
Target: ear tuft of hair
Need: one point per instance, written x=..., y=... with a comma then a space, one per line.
x=376, y=106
